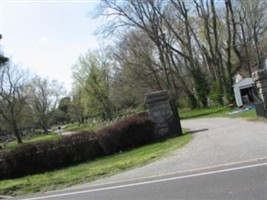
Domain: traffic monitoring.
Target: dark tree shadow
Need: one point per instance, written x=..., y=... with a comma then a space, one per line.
x=196, y=131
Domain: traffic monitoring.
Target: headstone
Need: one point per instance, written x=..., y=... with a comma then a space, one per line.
x=260, y=79
x=162, y=113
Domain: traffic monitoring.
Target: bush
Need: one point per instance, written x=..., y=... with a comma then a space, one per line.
x=49, y=155
x=44, y=156
x=134, y=131
x=109, y=139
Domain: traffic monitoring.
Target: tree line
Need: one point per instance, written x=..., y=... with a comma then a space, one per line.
x=193, y=48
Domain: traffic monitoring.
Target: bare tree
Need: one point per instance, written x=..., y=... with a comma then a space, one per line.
x=200, y=43
x=251, y=20
x=135, y=53
x=137, y=69
x=45, y=95
x=13, y=98
x=147, y=16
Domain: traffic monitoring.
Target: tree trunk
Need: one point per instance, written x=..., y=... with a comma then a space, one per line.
x=108, y=113
x=17, y=134
x=45, y=126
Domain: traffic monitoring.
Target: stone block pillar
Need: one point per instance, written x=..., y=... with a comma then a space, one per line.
x=160, y=111
x=260, y=79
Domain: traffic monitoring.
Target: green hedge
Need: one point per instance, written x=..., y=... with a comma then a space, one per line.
x=49, y=155
x=129, y=133
x=45, y=156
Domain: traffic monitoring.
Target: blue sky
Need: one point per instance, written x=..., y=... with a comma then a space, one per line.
x=47, y=37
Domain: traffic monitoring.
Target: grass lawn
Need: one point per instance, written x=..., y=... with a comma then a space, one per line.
x=204, y=112
x=92, y=170
x=37, y=138
x=83, y=127
x=74, y=127
x=216, y=112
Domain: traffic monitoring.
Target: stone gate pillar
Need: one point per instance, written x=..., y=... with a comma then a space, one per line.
x=260, y=79
x=160, y=111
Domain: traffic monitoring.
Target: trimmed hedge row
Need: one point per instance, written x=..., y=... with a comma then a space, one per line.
x=49, y=155
x=44, y=156
x=129, y=133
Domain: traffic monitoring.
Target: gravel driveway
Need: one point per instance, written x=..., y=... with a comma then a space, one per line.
x=216, y=141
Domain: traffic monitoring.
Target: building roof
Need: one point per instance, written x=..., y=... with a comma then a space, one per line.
x=244, y=82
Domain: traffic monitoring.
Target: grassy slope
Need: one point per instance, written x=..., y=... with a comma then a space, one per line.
x=92, y=170
x=38, y=138
x=75, y=127
x=216, y=112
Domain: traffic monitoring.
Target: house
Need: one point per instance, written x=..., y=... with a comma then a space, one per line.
x=243, y=91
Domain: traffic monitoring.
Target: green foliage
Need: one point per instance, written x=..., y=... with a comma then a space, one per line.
x=230, y=96
x=202, y=85
x=64, y=110
x=216, y=93
x=92, y=76
x=192, y=101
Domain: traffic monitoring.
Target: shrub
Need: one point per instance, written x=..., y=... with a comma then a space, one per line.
x=44, y=156
x=134, y=131
x=109, y=139
x=49, y=155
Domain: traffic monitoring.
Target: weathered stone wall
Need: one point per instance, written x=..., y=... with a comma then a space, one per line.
x=160, y=111
x=260, y=79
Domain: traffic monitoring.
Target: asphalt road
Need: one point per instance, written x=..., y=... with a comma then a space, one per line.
x=241, y=182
